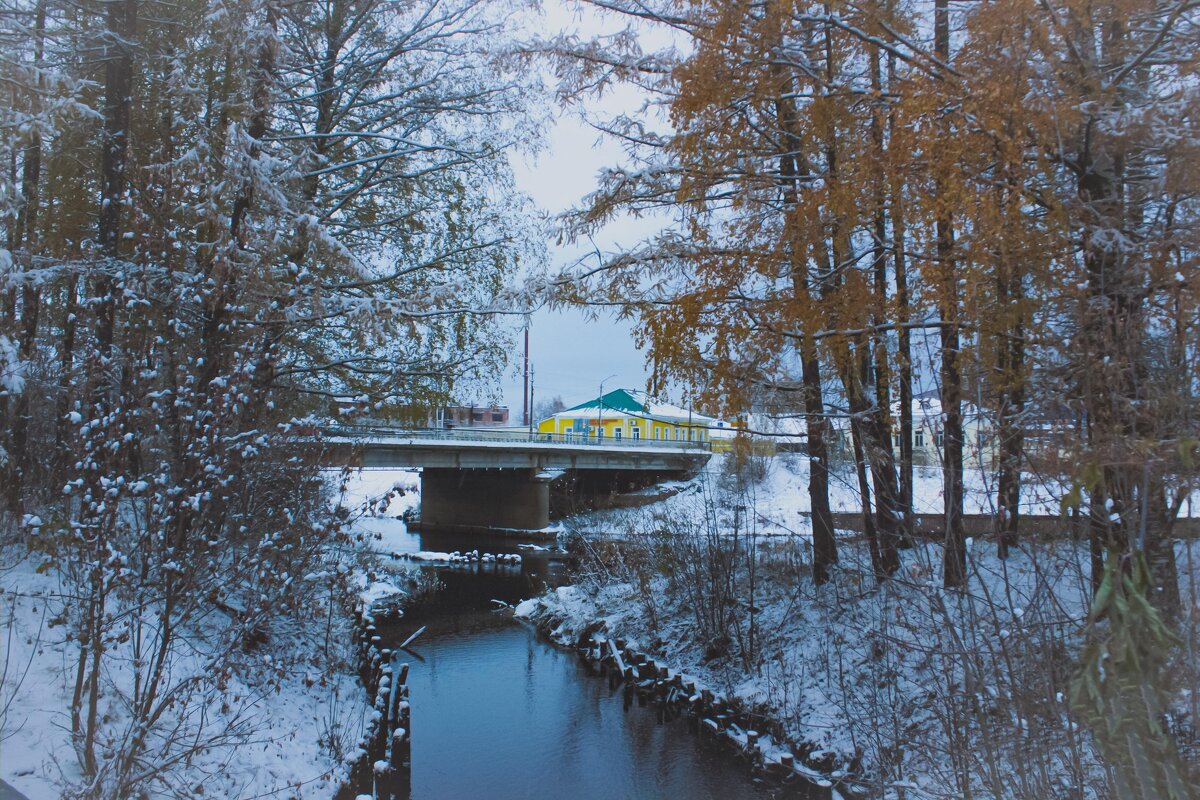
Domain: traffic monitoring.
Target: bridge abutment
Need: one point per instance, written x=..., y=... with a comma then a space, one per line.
x=472, y=499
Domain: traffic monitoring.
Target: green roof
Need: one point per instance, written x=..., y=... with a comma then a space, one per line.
x=617, y=399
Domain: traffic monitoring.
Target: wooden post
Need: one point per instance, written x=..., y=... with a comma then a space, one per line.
x=616, y=655
x=400, y=733
x=399, y=690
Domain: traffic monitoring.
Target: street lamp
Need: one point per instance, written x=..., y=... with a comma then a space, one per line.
x=600, y=415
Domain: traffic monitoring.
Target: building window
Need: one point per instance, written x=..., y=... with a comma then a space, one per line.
x=919, y=439
x=616, y=433
x=497, y=416
x=599, y=433
x=637, y=432
x=941, y=439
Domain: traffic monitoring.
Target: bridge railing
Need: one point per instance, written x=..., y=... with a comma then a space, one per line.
x=360, y=432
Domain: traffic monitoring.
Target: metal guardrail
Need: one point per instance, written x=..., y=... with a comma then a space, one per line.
x=515, y=437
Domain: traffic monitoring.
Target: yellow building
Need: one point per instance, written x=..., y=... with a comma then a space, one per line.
x=630, y=414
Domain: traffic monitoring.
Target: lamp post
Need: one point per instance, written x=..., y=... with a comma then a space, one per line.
x=600, y=415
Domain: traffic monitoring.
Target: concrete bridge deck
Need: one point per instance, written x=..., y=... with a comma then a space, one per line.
x=394, y=448
x=480, y=479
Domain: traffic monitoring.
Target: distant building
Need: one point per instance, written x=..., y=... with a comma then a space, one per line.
x=1052, y=434
x=979, y=440
x=360, y=410
x=723, y=434
x=469, y=417
x=628, y=413
x=762, y=433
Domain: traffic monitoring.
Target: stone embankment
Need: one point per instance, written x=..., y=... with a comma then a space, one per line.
x=383, y=754
x=749, y=732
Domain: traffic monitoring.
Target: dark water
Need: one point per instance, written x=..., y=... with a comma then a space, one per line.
x=499, y=714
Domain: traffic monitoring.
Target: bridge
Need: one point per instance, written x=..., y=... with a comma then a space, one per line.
x=481, y=479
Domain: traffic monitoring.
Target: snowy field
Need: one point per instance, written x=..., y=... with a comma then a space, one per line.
x=781, y=505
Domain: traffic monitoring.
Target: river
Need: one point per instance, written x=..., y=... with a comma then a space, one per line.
x=499, y=713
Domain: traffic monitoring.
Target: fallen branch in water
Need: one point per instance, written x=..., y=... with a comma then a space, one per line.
x=410, y=639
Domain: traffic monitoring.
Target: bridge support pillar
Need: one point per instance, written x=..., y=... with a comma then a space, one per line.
x=476, y=499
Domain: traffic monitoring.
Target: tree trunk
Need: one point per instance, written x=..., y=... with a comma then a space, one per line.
x=791, y=165
x=118, y=89
x=904, y=370
x=1010, y=419
x=903, y=336
x=1160, y=545
x=66, y=368
x=954, y=565
x=19, y=457
x=24, y=238
x=905, y=379
x=121, y=23
x=889, y=508
x=864, y=492
x=1111, y=367
x=824, y=543
x=876, y=452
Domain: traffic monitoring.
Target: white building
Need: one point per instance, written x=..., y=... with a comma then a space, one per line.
x=979, y=441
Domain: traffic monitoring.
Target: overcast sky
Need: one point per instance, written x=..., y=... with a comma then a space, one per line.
x=569, y=352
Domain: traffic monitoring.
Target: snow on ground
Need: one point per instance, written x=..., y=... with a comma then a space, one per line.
x=267, y=722
x=294, y=714
x=288, y=712
x=781, y=506
x=378, y=492
x=820, y=649
x=854, y=673
x=377, y=499
x=373, y=592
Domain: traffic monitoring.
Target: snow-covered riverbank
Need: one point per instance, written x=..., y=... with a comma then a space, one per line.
x=278, y=714
x=917, y=691
x=272, y=723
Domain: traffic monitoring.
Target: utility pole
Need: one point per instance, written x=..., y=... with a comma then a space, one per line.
x=531, y=402
x=526, y=394
x=600, y=416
